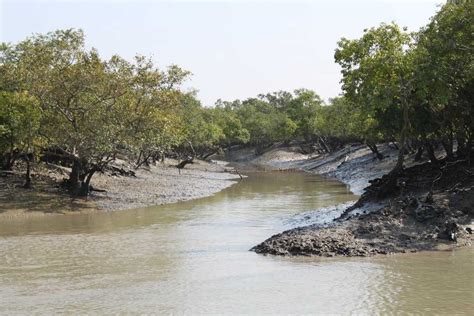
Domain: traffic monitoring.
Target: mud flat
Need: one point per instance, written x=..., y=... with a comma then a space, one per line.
x=429, y=208
x=160, y=184
x=353, y=165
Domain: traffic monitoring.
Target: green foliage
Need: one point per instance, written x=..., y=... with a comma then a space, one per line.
x=55, y=93
x=376, y=77
x=338, y=119
x=444, y=79
x=90, y=108
x=20, y=119
x=417, y=86
x=201, y=129
x=232, y=127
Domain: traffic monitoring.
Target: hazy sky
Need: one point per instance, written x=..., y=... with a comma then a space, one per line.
x=235, y=49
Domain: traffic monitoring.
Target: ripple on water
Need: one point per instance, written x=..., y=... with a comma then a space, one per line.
x=192, y=258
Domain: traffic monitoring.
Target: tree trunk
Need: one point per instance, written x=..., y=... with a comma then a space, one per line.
x=28, y=184
x=419, y=153
x=11, y=157
x=143, y=161
x=430, y=152
x=469, y=145
x=403, y=139
x=375, y=150
x=192, y=148
x=400, y=159
x=183, y=163
x=138, y=163
x=5, y=162
x=204, y=157
x=86, y=184
x=323, y=145
x=74, y=182
x=448, y=148
x=409, y=147
x=8, y=160
x=461, y=150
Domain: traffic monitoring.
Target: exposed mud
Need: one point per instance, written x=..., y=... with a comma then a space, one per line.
x=155, y=185
x=353, y=165
x=430, y=208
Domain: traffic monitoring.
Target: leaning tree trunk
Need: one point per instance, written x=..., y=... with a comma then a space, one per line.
x=183, y=163
x=205, y=156
x=323, y=145
x=86, y=184
x=143, y=159
x=192, y=148
x=375, y=150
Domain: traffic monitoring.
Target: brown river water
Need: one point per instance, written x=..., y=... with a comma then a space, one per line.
x=193, y=258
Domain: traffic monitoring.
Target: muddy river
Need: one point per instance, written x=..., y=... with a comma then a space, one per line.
x=193, y=257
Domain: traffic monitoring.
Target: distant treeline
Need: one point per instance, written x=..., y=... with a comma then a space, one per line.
x=413, y=89
x=64, y=103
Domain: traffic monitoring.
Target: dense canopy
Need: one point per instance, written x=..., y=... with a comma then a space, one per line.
x=59, y=100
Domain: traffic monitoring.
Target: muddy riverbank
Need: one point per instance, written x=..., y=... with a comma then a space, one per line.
x=431, y=208
x=353, y=165
x=155, y=185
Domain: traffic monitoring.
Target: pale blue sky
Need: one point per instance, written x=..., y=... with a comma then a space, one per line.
x=235, y=49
